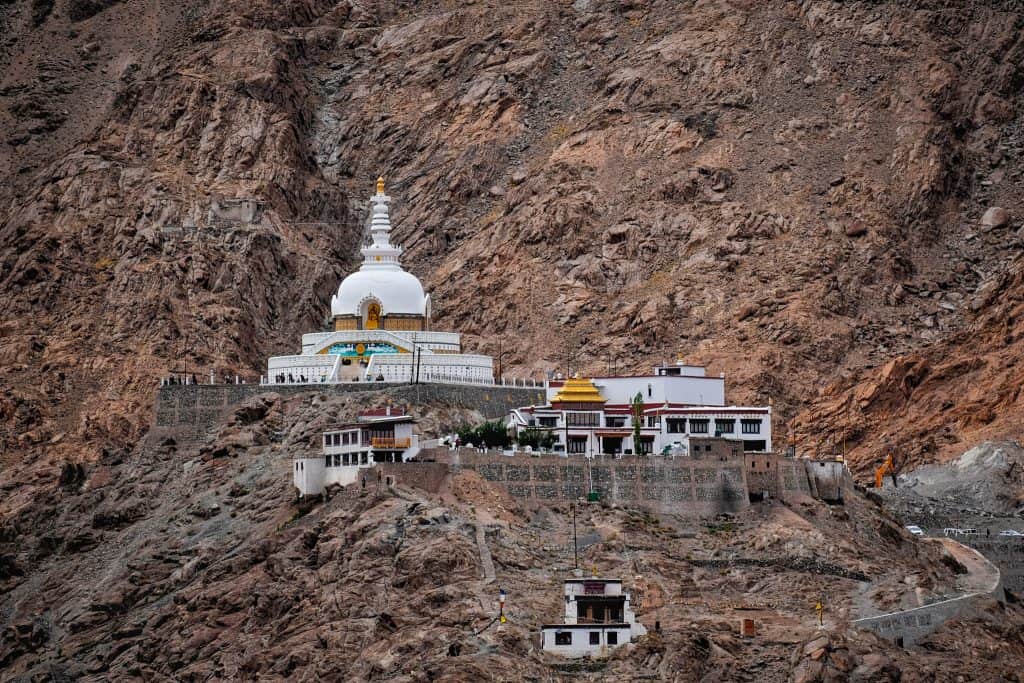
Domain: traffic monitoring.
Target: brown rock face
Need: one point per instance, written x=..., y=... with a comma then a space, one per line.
x=172, y=564
x=182, y=187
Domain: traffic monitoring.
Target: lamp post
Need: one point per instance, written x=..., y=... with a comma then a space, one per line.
x=501, y=354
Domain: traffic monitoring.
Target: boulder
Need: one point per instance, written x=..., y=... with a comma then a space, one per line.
x=856, y=229
x=995, y=217
x=748, y=310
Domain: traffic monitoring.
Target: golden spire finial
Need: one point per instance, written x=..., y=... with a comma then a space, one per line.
x=380, y=185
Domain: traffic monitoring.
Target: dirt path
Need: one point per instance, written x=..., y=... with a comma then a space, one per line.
x=982, y=576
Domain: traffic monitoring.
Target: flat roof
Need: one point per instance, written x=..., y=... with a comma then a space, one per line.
x=593, y=579
x=367, y=423
x=559, y=382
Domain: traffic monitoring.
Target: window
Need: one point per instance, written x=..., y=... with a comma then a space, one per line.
x=698, y=426
x=595, y=637
x=563, y=638
x=648, y=391
x=337, y=461
x=583, y=419
x=615, y=422
x=327, y=440
x=577, y=444
x=548, y=421
x=645, y=446
x=676, y=425
x=613, y=637
x=653, y=421
x=750, y=426
x=327, y=461
x=725, y=426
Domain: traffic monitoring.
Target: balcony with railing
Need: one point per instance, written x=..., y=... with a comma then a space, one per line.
x=390, y=442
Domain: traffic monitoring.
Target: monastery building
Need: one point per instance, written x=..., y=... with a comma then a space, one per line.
x=593, y=416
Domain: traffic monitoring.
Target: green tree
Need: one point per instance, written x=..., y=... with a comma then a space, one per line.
x=536, y=438
x=491, y=434
x=638, y=416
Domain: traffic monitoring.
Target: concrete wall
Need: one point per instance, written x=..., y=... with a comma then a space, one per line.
x=189, y=411
x=580, y=646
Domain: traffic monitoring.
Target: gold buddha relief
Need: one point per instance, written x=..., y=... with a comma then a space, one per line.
x=373, y=316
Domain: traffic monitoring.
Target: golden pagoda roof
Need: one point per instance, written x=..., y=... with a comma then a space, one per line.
x=578, y=390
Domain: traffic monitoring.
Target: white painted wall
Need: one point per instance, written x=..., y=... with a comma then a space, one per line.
x=580, y=646
x=697, y=391
x=308, y=475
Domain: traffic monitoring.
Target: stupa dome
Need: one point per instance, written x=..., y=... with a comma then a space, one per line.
x=396, y=290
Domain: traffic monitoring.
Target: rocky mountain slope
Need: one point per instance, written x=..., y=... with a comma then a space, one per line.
x=793, y=193
x=182, y=562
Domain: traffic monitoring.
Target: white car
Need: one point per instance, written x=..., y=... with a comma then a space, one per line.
x=915, y=529
x=1010, y=532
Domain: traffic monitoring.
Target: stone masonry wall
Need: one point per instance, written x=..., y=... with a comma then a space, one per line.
x=426, y=476
x=689, y=486
x=188, y=412
x=907, y=627
x=1006, y=553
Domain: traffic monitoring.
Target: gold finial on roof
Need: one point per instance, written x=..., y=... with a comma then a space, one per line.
x=380, y=185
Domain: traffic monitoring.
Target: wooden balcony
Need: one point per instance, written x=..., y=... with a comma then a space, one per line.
x=382, y=442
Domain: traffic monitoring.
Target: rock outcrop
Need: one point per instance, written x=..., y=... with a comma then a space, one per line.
x=642, y=175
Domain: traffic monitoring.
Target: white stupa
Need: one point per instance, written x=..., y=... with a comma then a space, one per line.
x=381, y=327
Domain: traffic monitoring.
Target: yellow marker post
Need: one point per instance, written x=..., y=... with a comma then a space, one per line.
x=820, y=609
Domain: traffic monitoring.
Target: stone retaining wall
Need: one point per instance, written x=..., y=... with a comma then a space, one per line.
x=692, y=486
x=698, y=486
x=906, y=627
x=667, y=485
x=1005, y=553
x=426, y=476
x=189, y=411
x=909, y=626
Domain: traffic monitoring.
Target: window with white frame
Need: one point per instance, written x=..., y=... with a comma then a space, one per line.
x=750, y=426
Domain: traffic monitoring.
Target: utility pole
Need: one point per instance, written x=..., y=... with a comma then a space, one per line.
x=569, y=352
x=575, y=545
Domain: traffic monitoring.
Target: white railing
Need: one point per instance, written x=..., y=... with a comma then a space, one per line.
x=400, y=338
x=426, y=378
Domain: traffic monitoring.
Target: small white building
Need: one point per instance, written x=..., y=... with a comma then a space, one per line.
x=594, y=416
x=598, y=618
x=381, y=435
